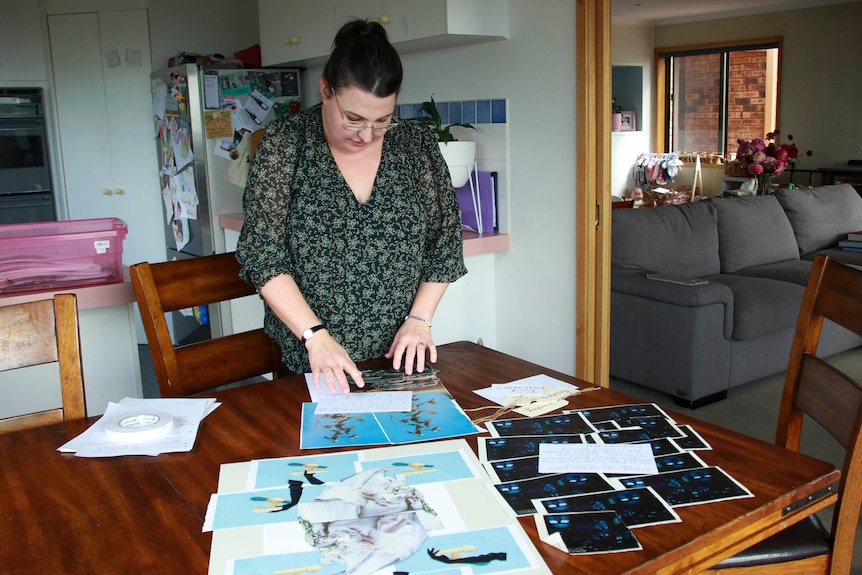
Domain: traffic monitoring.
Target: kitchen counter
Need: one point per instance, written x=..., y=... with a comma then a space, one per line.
x=474, y=244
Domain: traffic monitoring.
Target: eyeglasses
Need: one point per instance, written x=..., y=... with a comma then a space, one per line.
x=358, y=126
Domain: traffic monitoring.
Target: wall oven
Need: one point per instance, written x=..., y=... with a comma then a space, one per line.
x=25, y=171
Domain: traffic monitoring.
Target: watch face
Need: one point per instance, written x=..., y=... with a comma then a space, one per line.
x=306, y=335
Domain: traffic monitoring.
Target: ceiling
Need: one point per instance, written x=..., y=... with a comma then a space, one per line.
x=661, y=12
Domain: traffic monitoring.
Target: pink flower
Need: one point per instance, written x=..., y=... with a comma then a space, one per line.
x=759, y=157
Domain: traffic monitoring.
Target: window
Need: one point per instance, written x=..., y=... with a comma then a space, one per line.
x=710, y=96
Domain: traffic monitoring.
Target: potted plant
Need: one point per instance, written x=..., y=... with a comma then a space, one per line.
x=459, y=156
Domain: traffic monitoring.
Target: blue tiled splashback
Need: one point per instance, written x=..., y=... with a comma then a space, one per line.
x=462, y=112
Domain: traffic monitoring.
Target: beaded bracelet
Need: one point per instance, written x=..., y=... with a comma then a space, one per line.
x=417, y=318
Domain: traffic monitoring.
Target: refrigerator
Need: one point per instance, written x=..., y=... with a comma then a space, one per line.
x=204, y=118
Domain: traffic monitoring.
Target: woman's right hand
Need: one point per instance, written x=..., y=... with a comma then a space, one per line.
x=331, y=363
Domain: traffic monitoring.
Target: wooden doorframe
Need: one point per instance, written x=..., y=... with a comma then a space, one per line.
x=592, y=185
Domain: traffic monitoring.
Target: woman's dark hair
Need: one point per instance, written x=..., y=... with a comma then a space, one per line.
x=363, y=57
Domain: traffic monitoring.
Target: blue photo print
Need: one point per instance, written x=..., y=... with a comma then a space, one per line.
x=564, y=424
x=622, y=414
x=306, y=562
x=691, y=487
x=312, y=469
x=593, y=532
x=661, y=446
x=434, y=415
x=673, y=462
x=520, y=494
x=513, y=469
x=263, y=507
x=636, y=435
x=492, y=550
x=691, y=440
x=339, y=429
x=497, y=448
x=425, y=468
x=636, y=507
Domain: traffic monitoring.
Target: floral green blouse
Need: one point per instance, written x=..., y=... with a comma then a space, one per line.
x=358, y=265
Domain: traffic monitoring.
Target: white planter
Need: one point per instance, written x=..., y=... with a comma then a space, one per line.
x=460, y=157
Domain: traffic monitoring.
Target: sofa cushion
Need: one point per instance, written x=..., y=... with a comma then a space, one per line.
x=821, y=216
x=679, y=239
x=753, y=231
x=762, y=306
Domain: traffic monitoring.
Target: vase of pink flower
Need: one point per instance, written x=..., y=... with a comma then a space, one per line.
x=765, y=159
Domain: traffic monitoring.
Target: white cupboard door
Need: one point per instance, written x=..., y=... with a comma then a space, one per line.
x=346, y=10
x=102, y=68
x=293, y=30
x=414, y=19
x=315, y=27
x=76, y=55
x=278, y=38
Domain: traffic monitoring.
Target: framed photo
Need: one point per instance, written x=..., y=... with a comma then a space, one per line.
x=629, y=122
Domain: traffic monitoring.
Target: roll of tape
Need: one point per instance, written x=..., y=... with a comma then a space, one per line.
x=139, y=426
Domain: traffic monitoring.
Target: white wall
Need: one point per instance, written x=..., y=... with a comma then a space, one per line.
x=535, y=71
x=632, y=46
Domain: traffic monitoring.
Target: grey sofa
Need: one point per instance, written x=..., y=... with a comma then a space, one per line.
x=696, y=342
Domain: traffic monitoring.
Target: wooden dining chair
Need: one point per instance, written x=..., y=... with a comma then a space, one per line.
x=184, y=370
x=814, y=388
x=40, y=332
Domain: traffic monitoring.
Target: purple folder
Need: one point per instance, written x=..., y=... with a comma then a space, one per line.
x=479, y=196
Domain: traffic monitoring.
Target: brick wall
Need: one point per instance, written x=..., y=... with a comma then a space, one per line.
x=697, y=116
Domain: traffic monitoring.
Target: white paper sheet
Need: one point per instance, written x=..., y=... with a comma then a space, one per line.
x=364, y=402
x=187, y=414
x=628, y=458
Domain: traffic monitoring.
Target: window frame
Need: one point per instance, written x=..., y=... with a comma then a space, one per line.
x=661, y=136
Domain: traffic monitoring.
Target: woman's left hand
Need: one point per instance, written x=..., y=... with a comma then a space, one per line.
x=411, y=343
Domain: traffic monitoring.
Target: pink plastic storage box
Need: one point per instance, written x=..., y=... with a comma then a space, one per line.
x=50, y=255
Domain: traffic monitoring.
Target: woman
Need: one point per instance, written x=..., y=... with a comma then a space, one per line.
x=351, y=230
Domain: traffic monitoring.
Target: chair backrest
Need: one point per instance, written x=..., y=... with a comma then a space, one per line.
x=166, y=287
x=39, y=332
x=825, y=394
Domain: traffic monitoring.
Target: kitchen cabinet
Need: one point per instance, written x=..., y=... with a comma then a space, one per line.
x=22, y=56
x=412, y=25
x=101, y=63
x=404, y=20
x=295, y=30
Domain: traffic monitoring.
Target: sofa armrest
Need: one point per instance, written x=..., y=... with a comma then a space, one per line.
x=690, y=296
x=671, y=338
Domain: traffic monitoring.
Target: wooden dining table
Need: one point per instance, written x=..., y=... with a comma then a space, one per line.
x=139, y=514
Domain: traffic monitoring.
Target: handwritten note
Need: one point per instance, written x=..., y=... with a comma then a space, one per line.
x=634, y=459
x=364, y=402
x=536, y=387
